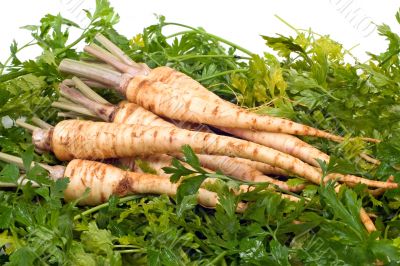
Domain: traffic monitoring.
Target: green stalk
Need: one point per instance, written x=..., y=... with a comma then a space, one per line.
x=109, y=58
x=126, y=246
x=224, y=73
x=104, y=205
x=388, y=57
x=218, y=258
x=178, y=33
x=19, y=49
x=69, y=46
x=101, y=110
x=88, y=82
x=13, y=75
x=65, y=99
x=115, y=50
x=88, y=92
x=91, y=71
x=23, y=72
x=27, y=126
x=83, y=36
x=74, y=108
x=7, y=158
x=71, y=115
x=39, y=122
x=287, y=23
x=187, y=57
x=212, y=36
x=11, y=159
x=132, y=250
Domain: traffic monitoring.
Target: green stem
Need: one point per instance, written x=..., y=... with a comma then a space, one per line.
x=139, y=250
x=27, y=126
x=19, y=49
x=21, y=72
x=74, y=108
x=13, y=75
x=68, y=115
x=178, y=33
x=224, y=73
x=115, y=50
x=389, y=57
x=88, y=92
x=65, y=99
x=238, y=47
x=126, y=246
x=66, y=48
x=154, y=60
x=7, y=158
x=12, y=159
x=287, y=24
x=91, y=71
x=218, y=258
x=187, y=57
x=104, y=205
x=39, y=122
x=223, y=263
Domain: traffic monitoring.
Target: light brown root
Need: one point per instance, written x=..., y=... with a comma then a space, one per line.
x=371, y=140
x=369, y=159
x=283, y=142
x=353, y=180
x=238, y=170
x=380, y=191
x=264, y=168
x=159, y=161
x=366, y=220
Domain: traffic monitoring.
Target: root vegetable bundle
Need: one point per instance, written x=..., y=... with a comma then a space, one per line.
x=259, y=144
x=166, y=92
x=130, y=113
x=187, y=148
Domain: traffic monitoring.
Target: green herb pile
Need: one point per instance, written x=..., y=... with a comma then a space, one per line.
x=304, y=77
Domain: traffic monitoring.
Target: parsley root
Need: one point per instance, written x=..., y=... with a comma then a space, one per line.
x=282, y=142
x=160, y=161
x=105, y=180
x=181, y=104
x=132, y=114
x=175, y=95
x=129, y=113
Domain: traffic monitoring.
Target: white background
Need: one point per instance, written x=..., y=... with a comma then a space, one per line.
x=347, y=21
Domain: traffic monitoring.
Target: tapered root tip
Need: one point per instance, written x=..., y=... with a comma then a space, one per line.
x=369, y=225
x=371, y=140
